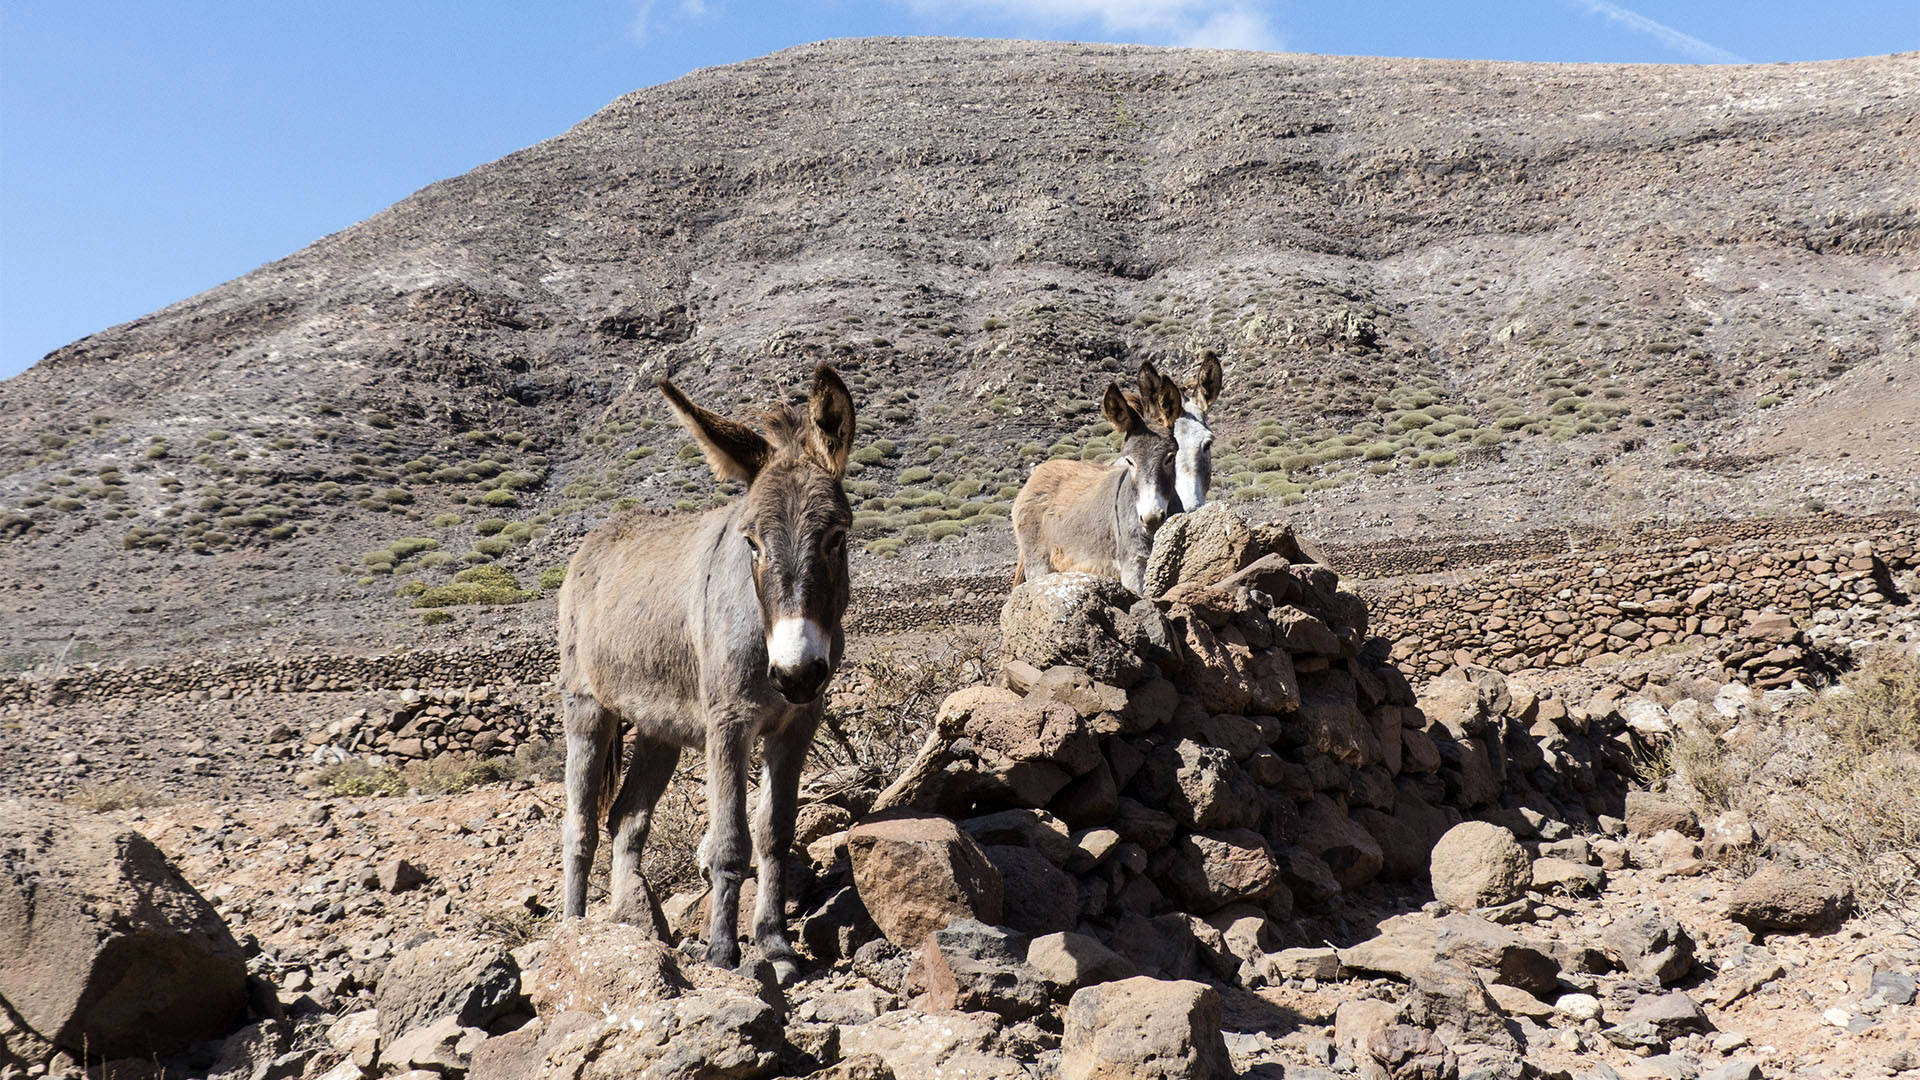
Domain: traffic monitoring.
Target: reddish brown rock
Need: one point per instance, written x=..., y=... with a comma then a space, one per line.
x=918, y=872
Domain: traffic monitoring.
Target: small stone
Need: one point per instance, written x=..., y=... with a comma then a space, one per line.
x=399, y=875
x=1579, y=1007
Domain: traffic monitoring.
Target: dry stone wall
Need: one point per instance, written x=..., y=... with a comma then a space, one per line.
x=1708, y=592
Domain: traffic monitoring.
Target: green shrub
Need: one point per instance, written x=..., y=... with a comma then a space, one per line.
x=888, y=547
x=489, y=526
x=445, y=521
x=157, y=451
x=916, y=475
x=500, y=497
x=435, y=617
x=476, y=585
x=552, y=577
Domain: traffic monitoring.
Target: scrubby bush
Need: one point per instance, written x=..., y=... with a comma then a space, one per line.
x=476, y=585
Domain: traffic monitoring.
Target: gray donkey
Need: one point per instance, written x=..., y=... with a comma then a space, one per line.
x=1077, y=515
x=707, y=632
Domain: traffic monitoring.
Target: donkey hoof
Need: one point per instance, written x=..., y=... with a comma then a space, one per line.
x=786, y=968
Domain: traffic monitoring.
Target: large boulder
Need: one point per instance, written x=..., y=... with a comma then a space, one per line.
x=1478, y=864
x=104, y=948
x=1144, y=1029
x=474, y=981
x=918, y=872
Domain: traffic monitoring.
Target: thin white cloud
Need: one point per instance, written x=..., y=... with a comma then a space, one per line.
x=1215, y=24
x=641, y=28
x=1682, y=43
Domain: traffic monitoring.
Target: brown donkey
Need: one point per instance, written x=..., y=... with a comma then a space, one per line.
x=1076, y=515
x=707, y=632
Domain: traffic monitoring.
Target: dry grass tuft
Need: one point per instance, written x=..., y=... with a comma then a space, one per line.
x=104, y=798
x=1859, y=807
x=896, y=693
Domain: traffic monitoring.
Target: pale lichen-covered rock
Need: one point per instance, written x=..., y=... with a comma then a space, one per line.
x=1203, y=547
x=474, y=982
x=1075, y=619
x=1477, y=864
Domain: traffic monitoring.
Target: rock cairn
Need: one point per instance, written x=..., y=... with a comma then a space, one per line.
x=1167, y=779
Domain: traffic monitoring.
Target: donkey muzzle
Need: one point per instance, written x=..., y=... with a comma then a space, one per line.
x=797, y=659
x=802, y=685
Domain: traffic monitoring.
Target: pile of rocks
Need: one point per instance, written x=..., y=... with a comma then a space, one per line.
x=1231, y=746
x=1570, y=610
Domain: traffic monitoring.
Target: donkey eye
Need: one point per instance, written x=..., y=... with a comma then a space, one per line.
x=833, y=542
x=753, y=544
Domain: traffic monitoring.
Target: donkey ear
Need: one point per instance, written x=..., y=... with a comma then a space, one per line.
x=1159, y=395
x=1119, y=413
x=1206, y=387
x=734, y=450
x=830, y=410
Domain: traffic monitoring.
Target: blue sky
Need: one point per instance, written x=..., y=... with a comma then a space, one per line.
x=150, y=151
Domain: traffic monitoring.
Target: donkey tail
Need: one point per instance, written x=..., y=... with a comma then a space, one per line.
x=609, y=750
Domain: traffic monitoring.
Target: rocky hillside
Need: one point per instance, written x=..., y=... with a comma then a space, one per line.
x=1451, y=297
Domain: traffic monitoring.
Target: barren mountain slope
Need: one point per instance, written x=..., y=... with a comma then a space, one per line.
x=1451, y=297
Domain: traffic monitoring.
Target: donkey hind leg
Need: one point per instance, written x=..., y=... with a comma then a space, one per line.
x=591, y=732
x=631, y=816
x=785, y=753
x=724, y=848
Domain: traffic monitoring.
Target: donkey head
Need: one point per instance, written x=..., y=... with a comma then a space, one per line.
x=793, y=522
x=1147, y=455
x=1184, y=410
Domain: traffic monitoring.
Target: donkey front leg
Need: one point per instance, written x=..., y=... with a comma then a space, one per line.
x=590, y=732
x=785, y=753
x=725, y=845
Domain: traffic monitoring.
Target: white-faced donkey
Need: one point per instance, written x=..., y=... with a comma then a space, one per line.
x=1183, y=408
x=709, y=631
x=1100, y=519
